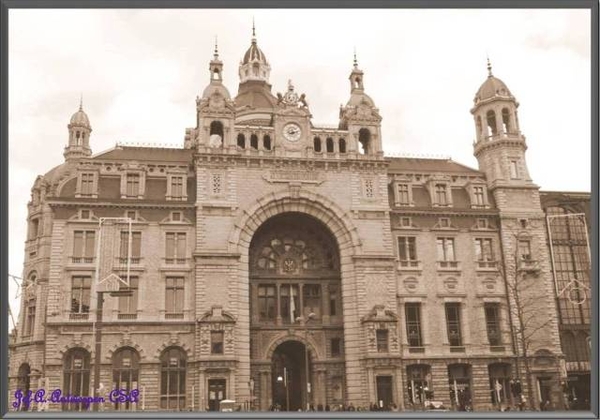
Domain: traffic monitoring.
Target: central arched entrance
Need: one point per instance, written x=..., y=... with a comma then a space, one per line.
x=295, y=301
x=288, y=376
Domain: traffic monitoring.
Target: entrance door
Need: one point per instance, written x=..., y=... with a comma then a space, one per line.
x=289, y=376
x=384, y=392
x=216, y=393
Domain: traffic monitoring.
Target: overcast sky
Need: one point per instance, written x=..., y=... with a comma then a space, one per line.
x=139, y=72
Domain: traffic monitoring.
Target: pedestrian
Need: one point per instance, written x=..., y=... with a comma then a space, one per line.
x=351, y=407
x=327, y=407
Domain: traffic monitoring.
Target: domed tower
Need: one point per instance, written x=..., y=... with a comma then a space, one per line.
x=215, y=109
x=361, y=117
x=255, y=104
x=500, y=150
x=79, y=136
x=499, y=146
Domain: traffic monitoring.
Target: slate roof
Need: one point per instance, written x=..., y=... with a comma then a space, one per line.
x=429, y=165
x=146, y=154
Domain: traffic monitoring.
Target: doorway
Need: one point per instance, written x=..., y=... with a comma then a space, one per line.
x=384, y=392
x=289, y=376
x=216, y=393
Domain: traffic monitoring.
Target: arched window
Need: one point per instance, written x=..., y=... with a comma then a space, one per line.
x=364, y=138
x=216, y=133
x=126, y=373
x=317, y=144
x=479, y=128
x=216, y=75
x=254, y=141
x=76, y=377
x=267, y=142
x=459, y=380
x=506, y=125
x=342, y=145
x=329, y=144
x=357, y=82
x=499, y=374
x=492, y=130
x=172, y=379
x=23, y=382
x=419, y=383
x=241, y=141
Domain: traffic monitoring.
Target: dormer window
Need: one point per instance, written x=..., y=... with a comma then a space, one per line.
x=87, y=185
x=133, y=184
x=403, y=193
x=177, y=187
x=441, y=197
x=478, y=193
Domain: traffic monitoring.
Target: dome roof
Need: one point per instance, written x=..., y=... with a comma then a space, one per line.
x=255, y=94
x=80, y=119
x=213, y=88
x=254, y=54
x=491, y=88
x=357, y=98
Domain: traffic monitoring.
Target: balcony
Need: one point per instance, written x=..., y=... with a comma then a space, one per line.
x=128, y=317
x=174, y=315
x=133, y=260
x=79, y=316
x=175, y=261
x=409, y=265
x=82, y=260
x=448, y=266
x=528, y=265
x=487, y=265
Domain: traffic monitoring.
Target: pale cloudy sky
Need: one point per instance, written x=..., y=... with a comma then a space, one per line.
x=139, y=72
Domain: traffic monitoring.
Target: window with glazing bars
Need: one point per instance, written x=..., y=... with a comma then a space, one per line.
x=492, y=322
x=413, y=324
x=453, y=324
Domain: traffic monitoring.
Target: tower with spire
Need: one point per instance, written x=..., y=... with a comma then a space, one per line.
x=361, y=117
x=79, y=135
x=214, y=110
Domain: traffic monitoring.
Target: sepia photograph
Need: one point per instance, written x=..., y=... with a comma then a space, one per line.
x=263, y=210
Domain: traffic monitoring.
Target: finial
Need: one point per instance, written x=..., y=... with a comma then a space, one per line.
x=253, y=28
x=489, y=67
x=355, y=61
x=81, y=101
x=216, y=48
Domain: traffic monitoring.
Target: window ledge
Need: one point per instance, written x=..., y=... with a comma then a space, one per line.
x=409, y=265
x=448, y=266
x=457, y=349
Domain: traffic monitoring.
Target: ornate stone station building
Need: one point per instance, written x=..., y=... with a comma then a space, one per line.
x=273, y=261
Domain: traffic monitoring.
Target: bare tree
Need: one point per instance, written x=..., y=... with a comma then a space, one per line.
x=524, y=295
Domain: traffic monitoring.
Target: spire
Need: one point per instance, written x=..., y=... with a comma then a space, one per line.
x=253, y=31
x=489, y=67
x=81, y=101
x=216, y=49
x=355, y=60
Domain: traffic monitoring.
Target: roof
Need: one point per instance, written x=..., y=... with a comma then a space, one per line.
x=254, y=54
x=146, y=154
x=256, y=94
x=491, y=88
x=429, y=165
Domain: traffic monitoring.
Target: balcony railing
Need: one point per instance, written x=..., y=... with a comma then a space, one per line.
x=82, y=260
x=127, y=316
x=133, y=260
x=409, y=265
x=448, y=265
x=528, y=265
x=487, y=265
x=174, y=315
x=175, y=261
x=80, y=316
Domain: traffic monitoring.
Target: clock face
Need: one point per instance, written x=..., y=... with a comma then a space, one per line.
x=292, y=131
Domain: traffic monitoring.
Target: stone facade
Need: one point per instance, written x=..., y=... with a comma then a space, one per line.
x=268, y=247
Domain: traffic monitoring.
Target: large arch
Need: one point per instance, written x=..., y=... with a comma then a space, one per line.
x=340, y=226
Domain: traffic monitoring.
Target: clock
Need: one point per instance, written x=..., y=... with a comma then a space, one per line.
x=292, y=131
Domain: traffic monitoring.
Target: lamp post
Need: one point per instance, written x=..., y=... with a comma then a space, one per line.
x=306, y=370
x=284, y=379
x=98, y=350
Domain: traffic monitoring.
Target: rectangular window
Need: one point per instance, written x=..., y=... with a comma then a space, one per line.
x=84, y=246
x=312, y=299
x=407, y=248
x=403, y=196
x=336, y=347
x=176, y=247
x=133, y=185
x=174, y=295
x=333, y=300
x=413, y=324
x=382, y=337
x=483, y=249
x=216, y=342
x=492, y=322
x=524, y=250
x=445, y=249
x=514, y=169
x=87, y=184
x=267, y=303
x=453, y=324
x=478, y=195
x=34, y=228
x=177, y=187
x=440, y=194
x=80, y=294
x=290, y=302
x=128, y=304
x=29, y=317
x=136, y=247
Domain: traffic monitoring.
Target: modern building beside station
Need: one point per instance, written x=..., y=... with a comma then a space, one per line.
x=277, y=262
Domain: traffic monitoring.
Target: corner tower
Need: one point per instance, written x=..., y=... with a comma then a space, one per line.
x=361, y=117
x=79, y=135
x=500, y=150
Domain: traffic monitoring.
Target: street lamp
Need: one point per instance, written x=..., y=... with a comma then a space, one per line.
x=306, y=370
x=97, y=358
x=284, y=379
